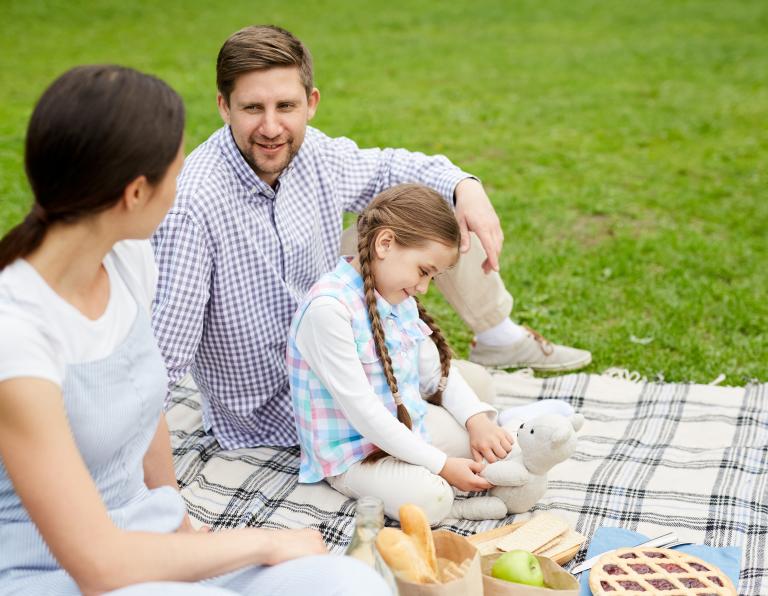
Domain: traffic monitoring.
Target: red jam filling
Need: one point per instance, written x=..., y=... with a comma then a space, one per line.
x=691, y=582
x=613, y=570
x=661, y=584
x=641, y=569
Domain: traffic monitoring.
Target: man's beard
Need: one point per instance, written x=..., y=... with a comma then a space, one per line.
x=266, y=166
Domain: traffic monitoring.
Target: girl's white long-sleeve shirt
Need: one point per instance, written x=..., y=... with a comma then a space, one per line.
x=327, y=343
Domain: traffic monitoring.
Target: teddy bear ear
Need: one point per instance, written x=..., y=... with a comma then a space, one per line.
x=577, y=420
x=561, y=435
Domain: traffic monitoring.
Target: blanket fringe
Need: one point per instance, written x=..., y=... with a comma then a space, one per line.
x=624, y=374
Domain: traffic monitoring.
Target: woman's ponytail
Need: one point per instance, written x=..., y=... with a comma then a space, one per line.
x=24, y=238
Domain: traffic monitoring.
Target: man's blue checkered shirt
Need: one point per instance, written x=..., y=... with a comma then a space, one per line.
x=236, y=256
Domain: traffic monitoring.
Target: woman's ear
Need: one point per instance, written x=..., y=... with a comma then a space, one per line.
x=384, y=243
x=136, y=193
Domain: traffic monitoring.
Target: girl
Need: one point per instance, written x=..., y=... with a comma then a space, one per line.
x=88, y=497
x=359, y=363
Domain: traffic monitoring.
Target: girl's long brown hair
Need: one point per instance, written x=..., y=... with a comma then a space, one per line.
x=416, y=214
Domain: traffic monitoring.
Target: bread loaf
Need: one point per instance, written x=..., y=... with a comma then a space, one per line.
x=404, y=557
x=415, y=524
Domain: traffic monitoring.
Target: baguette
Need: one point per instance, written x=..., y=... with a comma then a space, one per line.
x=403, y=556
x=415, y=524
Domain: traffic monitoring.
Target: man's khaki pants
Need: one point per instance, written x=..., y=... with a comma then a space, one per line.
x=480, y=299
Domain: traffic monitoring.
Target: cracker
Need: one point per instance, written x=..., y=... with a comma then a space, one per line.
x=488, y=547
x=449, y=571
x=533, y=534
x=551, y=544
x=570, y=539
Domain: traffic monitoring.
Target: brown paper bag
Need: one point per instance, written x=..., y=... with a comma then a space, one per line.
x=559, y=582
x=457, y=549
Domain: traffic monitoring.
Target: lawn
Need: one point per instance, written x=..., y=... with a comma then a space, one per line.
x=624, y=144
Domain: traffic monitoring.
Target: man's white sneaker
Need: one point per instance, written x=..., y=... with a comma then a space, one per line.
x=532, y=351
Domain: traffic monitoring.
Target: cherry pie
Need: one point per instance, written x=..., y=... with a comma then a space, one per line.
x=644, y=571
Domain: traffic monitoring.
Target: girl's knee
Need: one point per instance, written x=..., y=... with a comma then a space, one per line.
x=436, y=501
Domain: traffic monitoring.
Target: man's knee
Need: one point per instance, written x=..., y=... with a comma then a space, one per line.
x=348, y=244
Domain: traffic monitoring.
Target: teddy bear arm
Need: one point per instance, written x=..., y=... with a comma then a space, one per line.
x=506, y=473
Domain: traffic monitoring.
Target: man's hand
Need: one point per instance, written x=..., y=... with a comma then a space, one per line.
x=476, y=214
x=487, y=439
x=463, y=474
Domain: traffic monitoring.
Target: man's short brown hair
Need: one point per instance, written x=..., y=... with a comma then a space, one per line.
x=261, y=47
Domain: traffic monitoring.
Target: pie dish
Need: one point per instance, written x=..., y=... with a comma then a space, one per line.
x=645, y=571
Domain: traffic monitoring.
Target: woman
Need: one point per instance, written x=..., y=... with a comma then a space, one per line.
x=88, y=498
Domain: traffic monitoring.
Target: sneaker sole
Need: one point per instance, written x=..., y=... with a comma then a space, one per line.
x=562, y=367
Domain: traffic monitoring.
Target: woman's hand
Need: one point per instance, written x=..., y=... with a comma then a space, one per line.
x=464, y=474
x=186, y=526
x=292, y=544
x=487, y=439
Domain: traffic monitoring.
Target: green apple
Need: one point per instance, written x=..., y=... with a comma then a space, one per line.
x=520, y=567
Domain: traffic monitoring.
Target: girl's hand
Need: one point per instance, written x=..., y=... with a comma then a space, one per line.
x=292, y=544
x=487, y=439
x=463, y=474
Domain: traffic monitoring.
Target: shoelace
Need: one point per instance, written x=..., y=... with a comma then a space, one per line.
x=544, y=344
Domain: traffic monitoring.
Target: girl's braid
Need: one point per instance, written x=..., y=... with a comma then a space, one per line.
x=363, y=251
x=443, y=349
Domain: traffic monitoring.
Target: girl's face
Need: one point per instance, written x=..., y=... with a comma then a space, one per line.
x=401, y=272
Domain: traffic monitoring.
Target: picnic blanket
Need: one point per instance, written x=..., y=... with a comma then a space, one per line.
x=651, y=457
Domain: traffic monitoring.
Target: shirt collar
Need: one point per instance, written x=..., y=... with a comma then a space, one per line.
x=354, y=280
x=255, y=185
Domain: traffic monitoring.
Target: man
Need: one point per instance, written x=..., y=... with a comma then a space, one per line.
x=257, y=220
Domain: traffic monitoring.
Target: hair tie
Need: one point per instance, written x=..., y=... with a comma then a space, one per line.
x=442, y=384
x=398, y=399
x=39, y=214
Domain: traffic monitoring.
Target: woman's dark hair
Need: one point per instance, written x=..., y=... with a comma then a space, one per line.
x=93, y=131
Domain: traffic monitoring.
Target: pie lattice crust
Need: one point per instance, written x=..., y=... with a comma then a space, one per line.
x=639, y=571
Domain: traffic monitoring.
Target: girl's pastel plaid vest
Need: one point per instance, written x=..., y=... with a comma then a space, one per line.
x=329, y=443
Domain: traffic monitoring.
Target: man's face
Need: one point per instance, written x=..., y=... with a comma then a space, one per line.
x=268, y=112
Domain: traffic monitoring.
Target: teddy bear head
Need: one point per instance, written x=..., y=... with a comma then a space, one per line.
x=548, y=440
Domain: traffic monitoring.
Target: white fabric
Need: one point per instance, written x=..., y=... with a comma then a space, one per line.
x=397, y=482
x=326, y=340
x=504, y=334
x=42, y=333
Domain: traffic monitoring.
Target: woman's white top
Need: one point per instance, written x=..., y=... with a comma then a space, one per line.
x=41, y=333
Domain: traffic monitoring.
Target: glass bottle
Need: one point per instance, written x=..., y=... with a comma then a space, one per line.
x=369, y=519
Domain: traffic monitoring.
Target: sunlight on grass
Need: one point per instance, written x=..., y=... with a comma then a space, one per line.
x=624, y=144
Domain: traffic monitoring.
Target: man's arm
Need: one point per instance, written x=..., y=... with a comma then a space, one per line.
x=476, y=214
x=183, y=289
x=361, y=174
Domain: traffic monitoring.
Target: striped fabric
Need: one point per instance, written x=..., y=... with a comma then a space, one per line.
x=329, y=443
x=652, y=457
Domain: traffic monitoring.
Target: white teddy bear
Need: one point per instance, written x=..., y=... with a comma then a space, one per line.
x=520, y=480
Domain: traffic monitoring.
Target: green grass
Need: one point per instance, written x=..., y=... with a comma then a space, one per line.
x=623, y=143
